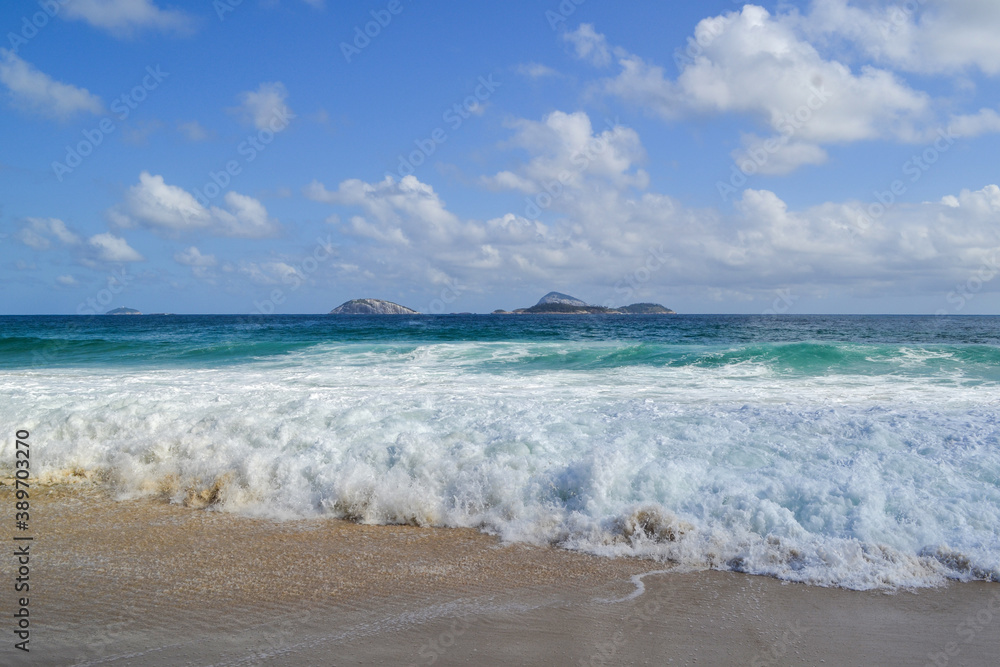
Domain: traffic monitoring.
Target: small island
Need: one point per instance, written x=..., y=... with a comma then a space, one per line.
x=371, y=307
x=123, y=311
x=557, y=303
x=553, y=303
x=645, y=309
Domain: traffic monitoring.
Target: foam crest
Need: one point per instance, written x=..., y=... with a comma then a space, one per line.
x=825, y=478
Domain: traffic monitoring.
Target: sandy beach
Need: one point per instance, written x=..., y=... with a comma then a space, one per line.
x=148, y=582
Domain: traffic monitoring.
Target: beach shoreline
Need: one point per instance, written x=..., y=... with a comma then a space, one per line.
x=148, y=582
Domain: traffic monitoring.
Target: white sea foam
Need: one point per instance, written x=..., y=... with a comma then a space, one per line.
x=862, y=482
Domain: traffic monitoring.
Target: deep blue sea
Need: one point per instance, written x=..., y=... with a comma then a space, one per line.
x=857, y=451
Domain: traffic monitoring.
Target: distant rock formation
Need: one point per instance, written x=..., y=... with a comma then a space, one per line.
x=559, y=297
x=556, y=303
x=565, y=309
x=123, y=311
x=371, y=307
x=645, y=309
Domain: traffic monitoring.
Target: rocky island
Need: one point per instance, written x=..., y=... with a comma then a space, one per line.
x=371, y=307
x=645, y=309
x=123, y=311
x=553, y=303
x=556, y=303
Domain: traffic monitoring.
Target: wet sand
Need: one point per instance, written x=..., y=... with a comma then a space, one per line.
x=144, y=582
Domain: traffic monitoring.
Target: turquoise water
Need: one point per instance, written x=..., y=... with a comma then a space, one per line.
x=835, y=450
x=809, y=344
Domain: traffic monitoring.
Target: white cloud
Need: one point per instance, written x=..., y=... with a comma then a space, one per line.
x=169, y=209
x=66, y=280
x=193, y=131
x=568, y=151
x=397, y=211
x=752, y=63
x=246, y=217
x=775, y=155
x=157, y=205
x=925, y=36
x=38, y=233
x=986, y=121
x=271, y=273
x=123, y=18
x=265, y=106
x=111, y=248
x=603, y=229
x=32, y=239
x=193, y=257
x=535, y=70
x=35, y=91
x=589, y=45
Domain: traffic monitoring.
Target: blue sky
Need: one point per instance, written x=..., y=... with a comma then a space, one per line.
x=269, y=156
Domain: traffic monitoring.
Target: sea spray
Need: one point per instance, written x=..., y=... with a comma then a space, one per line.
x=869, y=460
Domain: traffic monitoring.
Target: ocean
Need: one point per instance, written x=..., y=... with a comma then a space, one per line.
x=852, y=451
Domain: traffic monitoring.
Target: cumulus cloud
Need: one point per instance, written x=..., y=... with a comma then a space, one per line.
x=397, y=212
x=170, y=210
x=929, y=36
x=604, y=229
x=589, y=45
x=66, y=280
x=752, y=63
x=111, y=248
x=38, y=233
x=568, y=151
x=32, y=90
x=986, y=121
x=193, y=257
x=123, y=18
x=265, y=106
